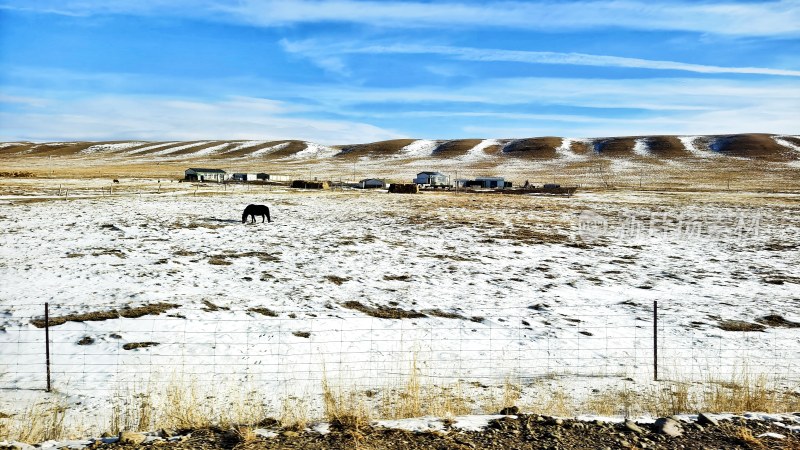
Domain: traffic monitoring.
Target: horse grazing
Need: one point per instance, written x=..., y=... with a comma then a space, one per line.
x=256, y=210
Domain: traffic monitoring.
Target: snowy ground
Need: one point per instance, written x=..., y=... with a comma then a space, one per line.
x=511, y=287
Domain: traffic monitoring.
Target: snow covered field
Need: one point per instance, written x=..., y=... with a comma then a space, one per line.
x=476, y=289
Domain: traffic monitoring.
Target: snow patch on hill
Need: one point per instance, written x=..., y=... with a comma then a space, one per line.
x=313, y=151
x=478, y=152
x=11, y=144
x=208, y=151
x=178, y=148
x=691, y=145
x=111, y=147
x=641, y=148
x=565, y=149
x=422, y=148
x=151, y=147
x=781, y=140
x=268, y=150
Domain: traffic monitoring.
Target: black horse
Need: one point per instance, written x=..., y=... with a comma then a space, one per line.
x=256, y=210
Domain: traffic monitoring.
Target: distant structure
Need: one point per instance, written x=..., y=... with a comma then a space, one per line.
x=484, y=183
x=272, y=177
x=491, y=182
x=404, y=188
x=307, y=184
x=372, y=183
x=244, y=177
x=431, y=179
x=203, y=175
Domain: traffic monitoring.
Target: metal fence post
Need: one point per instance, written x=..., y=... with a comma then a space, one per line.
x=655, y=340
x=47, y=341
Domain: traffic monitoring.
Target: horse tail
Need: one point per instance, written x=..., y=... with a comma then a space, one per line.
x=268, y=218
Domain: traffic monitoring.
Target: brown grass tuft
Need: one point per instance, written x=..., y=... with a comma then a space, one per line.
x=740, y=325
x=383, y=312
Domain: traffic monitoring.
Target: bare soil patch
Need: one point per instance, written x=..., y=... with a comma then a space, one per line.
x=383, y=312
x=93, y=316
x=135, y=345
x=523, y=432
x=740, y=325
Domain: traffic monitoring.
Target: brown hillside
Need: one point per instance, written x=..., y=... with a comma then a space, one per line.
x=374, y=149
x=16, y=148
x=539, y=148
x=456, y=148
x=581, y=148
x=753, y=146
x=666, y=147
x=291, y=149
x=56, y=149
x=616, y=146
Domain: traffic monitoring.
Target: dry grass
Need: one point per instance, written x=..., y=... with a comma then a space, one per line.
x=746, y=436
x=383, y=312
x=135, y=345
x=740, y=325
x=344, y=408
x=415, y=398
x=294, y=413
x=132, y=412
x=41, y=421
x=510, y=395
x=264, y=311
x=185, y=405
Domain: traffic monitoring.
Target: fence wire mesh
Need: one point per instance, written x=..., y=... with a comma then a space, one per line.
x=297, y=350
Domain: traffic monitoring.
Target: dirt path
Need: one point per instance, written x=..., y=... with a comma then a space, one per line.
x=511, y=432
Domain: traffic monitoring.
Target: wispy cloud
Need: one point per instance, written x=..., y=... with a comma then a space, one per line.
x=770, y=18
x=492, y=108
x=121, y=117
x=320, y=52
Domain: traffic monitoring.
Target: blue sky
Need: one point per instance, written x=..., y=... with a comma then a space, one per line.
x=350, y=71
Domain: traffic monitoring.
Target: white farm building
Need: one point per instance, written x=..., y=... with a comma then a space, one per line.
x=216, y=175
x=431, y=179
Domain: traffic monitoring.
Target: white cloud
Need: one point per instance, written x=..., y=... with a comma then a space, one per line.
x=725, y=18
x=118, y=117
x=318, y=52
x=770, y=18
x=600, y=107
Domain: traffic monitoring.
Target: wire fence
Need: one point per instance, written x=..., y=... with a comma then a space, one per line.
x=297, y=350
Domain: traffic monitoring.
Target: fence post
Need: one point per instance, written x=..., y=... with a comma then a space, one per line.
x=47, y=341
x=655, y=340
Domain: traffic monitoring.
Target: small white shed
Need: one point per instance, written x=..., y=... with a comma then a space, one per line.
x=431, y=178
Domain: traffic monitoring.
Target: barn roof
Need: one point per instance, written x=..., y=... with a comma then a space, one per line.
x=207, y=170
x=429, y=173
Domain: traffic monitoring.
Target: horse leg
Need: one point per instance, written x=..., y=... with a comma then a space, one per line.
x=268, y=218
